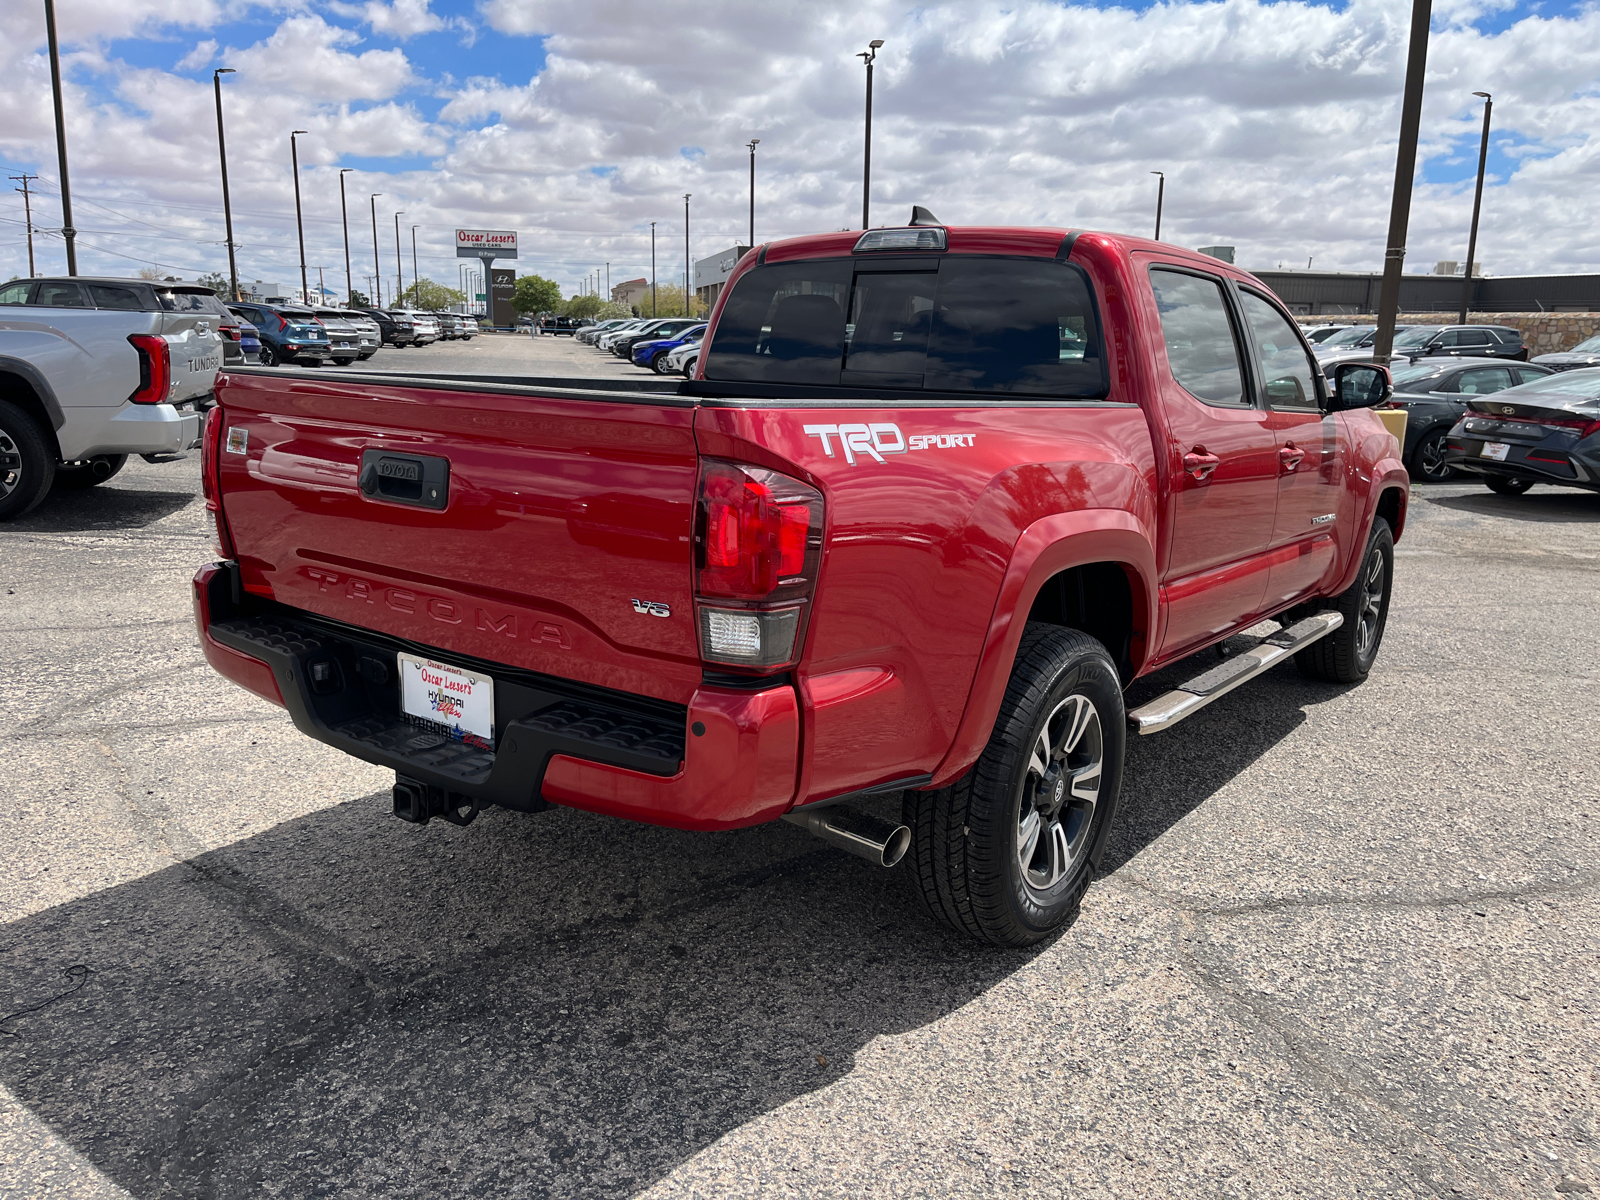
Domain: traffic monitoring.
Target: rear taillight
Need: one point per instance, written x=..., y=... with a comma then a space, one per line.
x=757, y=554
x=231, y=332
x=155, y=368
x=1583, y=425
x=282, y=324
x=210, y=487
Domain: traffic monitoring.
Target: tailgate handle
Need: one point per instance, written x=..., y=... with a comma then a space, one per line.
x=422, y=480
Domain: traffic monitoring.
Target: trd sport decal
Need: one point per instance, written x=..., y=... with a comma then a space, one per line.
x=874, y=441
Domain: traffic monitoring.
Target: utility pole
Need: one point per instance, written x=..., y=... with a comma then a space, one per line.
x=869, y=56
x=1161, y=195
x=68, y=233
x=608, y=281
x=686, y=267
x=377, y=273
x=399, y=269
x=299, y=225
x=416, y=276
x=344, y=216
x=1405, y=168
x=322, y=290
x=754, y=142
x=227, y=207
x=652, y=268
x=27, y=209
x=1477, y=203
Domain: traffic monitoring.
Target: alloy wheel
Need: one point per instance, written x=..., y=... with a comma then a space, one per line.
x=1060, y=790
x=10, y=464
x=1372, y=590
x=1430, y=457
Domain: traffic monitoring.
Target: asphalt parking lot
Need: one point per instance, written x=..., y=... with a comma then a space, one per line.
x=1347, y=943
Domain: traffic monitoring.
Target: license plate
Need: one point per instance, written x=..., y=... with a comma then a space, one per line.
x=344, y=345
x=1495, y=450
x=210, y=362
x=459, y=702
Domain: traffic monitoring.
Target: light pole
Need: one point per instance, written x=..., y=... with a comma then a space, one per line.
x=294, y=157
x=377, y=273
x=1477, y=202
x=68, y=233
x=1161, y=194
x=227, y=207
x=608, y=281
x=399, y=270
x=754, y=142
x=686, y=268
x=344, y=216
x=415, y=274
x=869, y=56
x=1405, y=167
x=652, y=268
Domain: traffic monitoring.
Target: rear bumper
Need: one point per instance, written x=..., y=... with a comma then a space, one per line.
x=727, y=759
x=1575, y=465
x=130, y=429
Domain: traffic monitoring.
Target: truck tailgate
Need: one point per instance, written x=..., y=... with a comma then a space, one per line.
x=547, y=529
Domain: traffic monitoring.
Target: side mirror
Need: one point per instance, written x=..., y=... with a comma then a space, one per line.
x=1359, y=385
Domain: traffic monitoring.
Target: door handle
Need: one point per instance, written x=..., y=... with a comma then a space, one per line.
x=1200, y=464
x=1290, y=456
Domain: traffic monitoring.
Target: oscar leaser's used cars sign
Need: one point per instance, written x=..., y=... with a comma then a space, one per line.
x=482, y=243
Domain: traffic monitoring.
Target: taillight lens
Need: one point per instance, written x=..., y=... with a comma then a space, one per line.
x=210, y=487
x=282, y=324
x=758, y=551
x=231, y=332
x=155, y=368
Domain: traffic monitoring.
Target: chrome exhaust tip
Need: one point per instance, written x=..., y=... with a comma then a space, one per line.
x=862, y=834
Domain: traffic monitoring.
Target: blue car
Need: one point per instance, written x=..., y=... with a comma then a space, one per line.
x=249, y=341
x=288, y=334
x=653, y=354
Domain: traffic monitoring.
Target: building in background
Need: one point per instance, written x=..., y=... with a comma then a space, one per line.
x=631, y=292
x=711, y=273
x=1345, y=293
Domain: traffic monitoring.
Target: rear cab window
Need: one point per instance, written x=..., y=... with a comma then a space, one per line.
x=961, y=323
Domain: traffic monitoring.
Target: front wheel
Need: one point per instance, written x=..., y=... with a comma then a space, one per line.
x=26, y=462
x=1004, y=853
x=1427, y=460
x=1346, y=655
x=1507, y=485
x=92, y=472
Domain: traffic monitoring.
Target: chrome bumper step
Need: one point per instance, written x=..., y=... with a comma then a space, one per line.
x=1189, y=698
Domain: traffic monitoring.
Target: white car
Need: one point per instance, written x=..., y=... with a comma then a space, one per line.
x=605, y=340
x=93, y=370
x=469, y=326
x=425, y=324
x=682, y=360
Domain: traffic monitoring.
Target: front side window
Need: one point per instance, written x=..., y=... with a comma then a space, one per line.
x=1285, y=369
x=963, y=323
x=1201, y=348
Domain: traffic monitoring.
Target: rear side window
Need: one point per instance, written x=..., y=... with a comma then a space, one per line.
x=1483, y=381
x=1528, y=374
x=60, y=295
x=964, y=323
x=121, y=298
x=1201, y=348
x=190, y=302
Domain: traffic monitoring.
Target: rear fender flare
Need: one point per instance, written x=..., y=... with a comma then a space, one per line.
x=1047, y=547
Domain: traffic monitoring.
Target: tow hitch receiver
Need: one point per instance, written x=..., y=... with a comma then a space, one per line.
x=419, y=802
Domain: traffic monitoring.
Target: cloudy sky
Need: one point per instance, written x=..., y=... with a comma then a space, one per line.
x=578, y=124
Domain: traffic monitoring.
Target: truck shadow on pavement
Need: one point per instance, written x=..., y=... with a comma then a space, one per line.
x=92, y=510
x=557, y=1004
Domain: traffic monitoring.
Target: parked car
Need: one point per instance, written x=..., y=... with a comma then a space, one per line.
x=589, y=333
x=682, y=360
x=560, y=326
x=923, y=561
x=93, y=370
x=651, y=352
x=426, y=326
x=1317, y=334
x=1545, y=431
x=605, y=340
x=289, y=334
x=623, y=343
x=394, y=327
x=345, y=337
x=1584, y=354
x=1457, y=341
x=449, y=325
x=249, y=341
x=1435, y=393
x=1351, y=337
x=469, y=326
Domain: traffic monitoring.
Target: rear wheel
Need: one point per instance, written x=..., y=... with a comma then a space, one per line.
x=26, y=466
x=1003, y=853
x=90, y=473
x=1346, y=655
x=1427, y=460
x=269, y=357
x=1507, y=485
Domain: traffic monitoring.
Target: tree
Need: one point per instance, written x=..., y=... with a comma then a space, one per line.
x=536, y=294
x=429, y=296
x=583, y=306
x=669, y=302
x=359, y=299
x=218, y=283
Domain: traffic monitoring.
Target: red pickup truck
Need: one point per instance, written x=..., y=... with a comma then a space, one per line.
x=935, y=498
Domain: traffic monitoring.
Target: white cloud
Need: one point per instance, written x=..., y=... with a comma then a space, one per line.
x=399, y=19
x=199, y=58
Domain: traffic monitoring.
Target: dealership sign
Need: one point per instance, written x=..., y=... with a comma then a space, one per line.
x=486, y=243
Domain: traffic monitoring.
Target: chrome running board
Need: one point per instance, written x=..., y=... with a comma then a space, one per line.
x=1189, y=698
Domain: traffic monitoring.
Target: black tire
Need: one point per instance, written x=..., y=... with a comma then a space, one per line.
x=1346, y=655
x=343, y=362
x=1507, y=485
x=658, y=362
x=972, y=863
x=1427, y=459
x=27, y=467
x=269, y=357
x=688, y=368
x=94, y=472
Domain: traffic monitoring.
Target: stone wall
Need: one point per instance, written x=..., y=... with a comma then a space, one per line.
x=1542, y=332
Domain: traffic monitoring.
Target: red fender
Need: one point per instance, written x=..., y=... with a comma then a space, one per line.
x=1046, y=548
